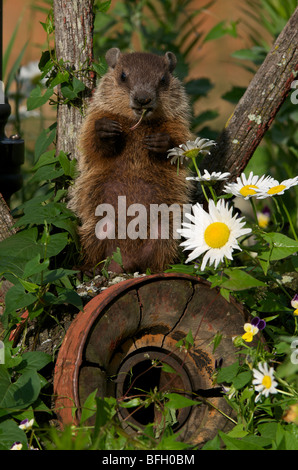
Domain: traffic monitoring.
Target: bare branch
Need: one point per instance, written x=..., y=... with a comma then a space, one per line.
x=257, y=108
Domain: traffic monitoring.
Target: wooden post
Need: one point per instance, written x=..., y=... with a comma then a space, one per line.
x=74, y=45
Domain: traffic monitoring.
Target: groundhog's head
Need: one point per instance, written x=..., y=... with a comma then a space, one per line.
x=143, y=80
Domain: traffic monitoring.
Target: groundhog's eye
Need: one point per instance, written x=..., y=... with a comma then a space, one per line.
x=163, y=80
x=123, y=76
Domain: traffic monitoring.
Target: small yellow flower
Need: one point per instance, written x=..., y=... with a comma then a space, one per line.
x=250, y=332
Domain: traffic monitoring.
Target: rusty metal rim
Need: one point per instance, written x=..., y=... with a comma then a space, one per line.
x=70, y=356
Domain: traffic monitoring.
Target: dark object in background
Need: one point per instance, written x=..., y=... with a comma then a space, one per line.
x=11, y=158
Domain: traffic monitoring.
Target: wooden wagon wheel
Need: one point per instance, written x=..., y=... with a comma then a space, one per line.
x=113, y=342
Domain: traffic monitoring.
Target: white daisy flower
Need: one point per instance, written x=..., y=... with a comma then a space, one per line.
x=210, y=178
x=264, y=380
x=276, y=188
x=214, y=233
x=247, y=187
x=190, y=149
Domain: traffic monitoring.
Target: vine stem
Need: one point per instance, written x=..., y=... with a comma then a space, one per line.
x=289, y=219
x=254, y=210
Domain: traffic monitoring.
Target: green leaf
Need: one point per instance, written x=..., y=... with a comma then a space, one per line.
x=234, y=95
x=11, y=433
x=237, y=444
x=37, y=99
x=213, y=444
x=34, y=266
x=71, y=91
x=69, y=166
x=78, y=86
x=228, y=374
x=22, y=245
x=45, y=138
x=240, y=280
x=103, y=7
x=17, y=298
x=167, y=368
x=117, y=256
x=61, y=77
x=20, y=394
x=37, y=214
x=55, y=274
x=68, y=93
x=57, y=242
x=65, y=296
x=33, y=360
x=131, y=403
x=281, y=246
x=46, y=158
x=237, y=431
x=199, y=87
x=46, y=173
x=177, y=401
x=216, y=341
x=242, y=379
x=220, y=30
x=89, y=407
x=28, y=286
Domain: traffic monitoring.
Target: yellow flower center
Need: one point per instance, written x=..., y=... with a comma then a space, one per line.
x=217, y=234
x=276, y=189
x=266, y=381
x=248, y=190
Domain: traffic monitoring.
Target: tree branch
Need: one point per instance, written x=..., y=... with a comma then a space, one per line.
x=257, y=108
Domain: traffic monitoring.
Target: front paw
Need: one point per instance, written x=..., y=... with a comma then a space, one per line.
x=108, y=129
x=158, y=143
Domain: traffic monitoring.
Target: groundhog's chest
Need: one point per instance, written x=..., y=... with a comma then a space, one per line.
x=138, y=174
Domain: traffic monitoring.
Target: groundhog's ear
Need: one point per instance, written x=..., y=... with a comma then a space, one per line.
x=171, y=60
x=112, y=56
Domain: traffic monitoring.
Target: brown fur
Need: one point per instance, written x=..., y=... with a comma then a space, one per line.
x=122, y=166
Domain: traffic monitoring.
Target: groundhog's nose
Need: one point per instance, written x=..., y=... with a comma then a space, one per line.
x=142, y=100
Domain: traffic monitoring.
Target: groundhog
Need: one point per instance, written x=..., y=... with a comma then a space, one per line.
x=137, y=113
